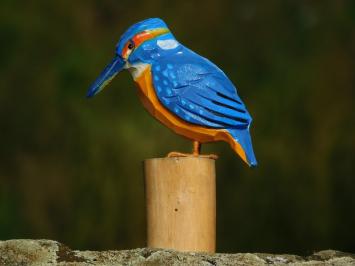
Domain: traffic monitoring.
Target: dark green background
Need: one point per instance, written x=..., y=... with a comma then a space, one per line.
x=71, y=168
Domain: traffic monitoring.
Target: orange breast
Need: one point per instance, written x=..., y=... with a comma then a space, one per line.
x=194, y=132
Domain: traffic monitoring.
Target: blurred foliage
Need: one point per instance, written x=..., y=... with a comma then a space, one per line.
x=70, y=168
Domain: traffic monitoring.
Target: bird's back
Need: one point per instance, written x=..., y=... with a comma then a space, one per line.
x=197, y=91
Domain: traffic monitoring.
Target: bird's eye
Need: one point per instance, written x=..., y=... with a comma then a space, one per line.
x=131, y=46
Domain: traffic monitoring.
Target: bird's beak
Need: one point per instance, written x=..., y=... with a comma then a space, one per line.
x=110, y=71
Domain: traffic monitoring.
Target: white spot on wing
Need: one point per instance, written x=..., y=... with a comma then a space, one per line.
x=167, y=44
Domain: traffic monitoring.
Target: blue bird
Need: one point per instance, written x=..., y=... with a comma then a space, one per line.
x=183, y=90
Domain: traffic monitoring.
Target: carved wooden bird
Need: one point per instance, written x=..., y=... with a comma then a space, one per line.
x=183, y=90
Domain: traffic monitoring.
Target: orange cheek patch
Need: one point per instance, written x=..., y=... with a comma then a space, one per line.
x=125, y=49
x=137, y=40
x=142, y=37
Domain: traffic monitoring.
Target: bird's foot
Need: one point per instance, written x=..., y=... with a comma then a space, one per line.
x=180, y=154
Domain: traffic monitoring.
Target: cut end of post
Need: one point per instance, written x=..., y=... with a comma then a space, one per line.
x=209, y=157
x=181, y=203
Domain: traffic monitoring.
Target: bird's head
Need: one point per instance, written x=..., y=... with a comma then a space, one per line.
x=143, y=42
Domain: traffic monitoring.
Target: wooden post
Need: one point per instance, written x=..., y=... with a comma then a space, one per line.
x=181, y=203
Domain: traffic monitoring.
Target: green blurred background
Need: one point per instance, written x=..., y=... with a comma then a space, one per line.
x=71, y=168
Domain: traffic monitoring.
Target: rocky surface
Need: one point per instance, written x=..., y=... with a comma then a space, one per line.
x=48, y=252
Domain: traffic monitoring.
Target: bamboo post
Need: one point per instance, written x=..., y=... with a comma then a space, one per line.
x=181, y=203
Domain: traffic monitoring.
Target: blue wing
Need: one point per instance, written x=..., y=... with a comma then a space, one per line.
x=197, y=91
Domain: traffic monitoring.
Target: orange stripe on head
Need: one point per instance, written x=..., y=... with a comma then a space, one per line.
x=125, y=49
x=141, y=37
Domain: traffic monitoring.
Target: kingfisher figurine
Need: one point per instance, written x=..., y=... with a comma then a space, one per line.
x=181, y=89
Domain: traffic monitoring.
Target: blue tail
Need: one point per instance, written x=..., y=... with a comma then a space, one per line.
x=242, y=136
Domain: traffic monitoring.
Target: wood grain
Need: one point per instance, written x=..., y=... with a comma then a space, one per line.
x=181, y=203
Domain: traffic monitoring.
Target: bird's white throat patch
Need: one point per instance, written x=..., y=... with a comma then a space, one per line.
x=136, y=70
